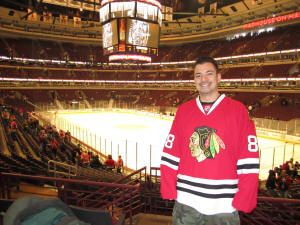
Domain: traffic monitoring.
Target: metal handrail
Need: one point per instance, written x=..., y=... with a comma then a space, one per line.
x=72, y=170
x=67, y=188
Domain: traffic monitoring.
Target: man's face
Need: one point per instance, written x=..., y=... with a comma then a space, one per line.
x=206, y=80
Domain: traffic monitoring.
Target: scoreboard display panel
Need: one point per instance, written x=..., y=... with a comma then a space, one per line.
x=110, y=34
x=130, y=36
x=141, y=33
x=130, y=29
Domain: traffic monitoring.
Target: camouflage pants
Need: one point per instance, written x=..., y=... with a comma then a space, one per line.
x=186, y=215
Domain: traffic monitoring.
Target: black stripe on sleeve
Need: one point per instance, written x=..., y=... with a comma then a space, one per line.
x=163, y=158
x=248, y=166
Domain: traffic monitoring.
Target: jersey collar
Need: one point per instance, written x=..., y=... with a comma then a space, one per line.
x=221, y=97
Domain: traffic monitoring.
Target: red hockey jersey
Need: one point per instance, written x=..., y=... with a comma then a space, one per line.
x=210, y=159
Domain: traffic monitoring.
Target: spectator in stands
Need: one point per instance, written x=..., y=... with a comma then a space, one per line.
x=210, y=160
x=55, y=132
x=43, y=141
x=78, y=161
x=76, y=152
x=12, y=110
x=95, y=162
x=21, y=112
x=50, y=131
x=283, y=187
x=85, y=159
x=54, y=146
x=285, y=166
x=29, y=115
x=284, y=182
x=109, y=163
x=120, y=164
x=277, y=171
x=77, y=149
x=68, y=136
x=6, y=116
x=12, y=118
x=297, y=169
x=13, y=129
x=62, y=147
x=291, y=167
x=25, y=125
x=33, y=124
x=61, y=135
x=271, y=183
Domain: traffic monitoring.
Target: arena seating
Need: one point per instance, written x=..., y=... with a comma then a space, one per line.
x=278, y=39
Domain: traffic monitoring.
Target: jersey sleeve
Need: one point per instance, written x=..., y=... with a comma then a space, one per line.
x=170, y=161
x=247, y=165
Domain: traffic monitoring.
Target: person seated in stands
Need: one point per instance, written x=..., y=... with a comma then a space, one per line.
x=33, y=124
x=49, y=131
x=85, y=159
x=5, y=116
x=61, y=135
x=43, y=141
x=21, y=112
x=284, y=181
x=68, y=136
x=12, y=117
x=78, y=161
x=73, y=155
x=36, y=123
x=297, y=169
x=55, y=132
x=95, y=162
x=13, y=129
x=62, y=147
x=278, y=171
x=77, y=149
x=291, y=167
x=54, y=146
x=25, y=125
x=29, y=114
x=271, y=183
x=16, y=110
x=285, y=166
x=75, y=152
x=120, y=164
x=109, y=163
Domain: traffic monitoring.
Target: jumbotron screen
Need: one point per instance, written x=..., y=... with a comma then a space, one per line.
x=141, y=33
x=130, y=36
x=110, y=34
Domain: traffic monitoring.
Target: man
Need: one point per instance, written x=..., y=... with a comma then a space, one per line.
x=13, y=129
x=210, y=161
x=120, y=164
x=109, y=162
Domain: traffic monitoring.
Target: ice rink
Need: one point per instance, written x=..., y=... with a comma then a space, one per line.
x=140, y=138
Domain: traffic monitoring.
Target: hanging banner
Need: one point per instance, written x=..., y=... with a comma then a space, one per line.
x=77, y=21
x=32, y=16
x=47, y=17
x=63, y=19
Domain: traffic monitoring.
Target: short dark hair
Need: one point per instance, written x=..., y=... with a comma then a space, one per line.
x=206, y=59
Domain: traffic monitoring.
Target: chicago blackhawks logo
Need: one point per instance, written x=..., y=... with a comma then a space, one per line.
x=205, y=143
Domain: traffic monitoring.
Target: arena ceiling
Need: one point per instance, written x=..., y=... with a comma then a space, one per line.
x=193, y=20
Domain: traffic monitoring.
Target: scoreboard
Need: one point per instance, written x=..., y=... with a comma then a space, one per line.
x=130, y=29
